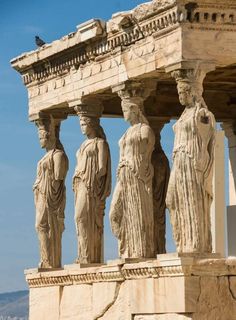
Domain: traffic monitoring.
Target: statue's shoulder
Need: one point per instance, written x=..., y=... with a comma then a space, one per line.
x=58, y=151
x=146, y=130
x=59, y=154
x=101, y=142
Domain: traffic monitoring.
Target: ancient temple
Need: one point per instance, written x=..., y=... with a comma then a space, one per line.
x=163, y=60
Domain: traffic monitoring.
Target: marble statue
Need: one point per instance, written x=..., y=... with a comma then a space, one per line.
x=189, y=195
x=91, y=185
x=50, y=194
x=159, y=186
x=131, y=212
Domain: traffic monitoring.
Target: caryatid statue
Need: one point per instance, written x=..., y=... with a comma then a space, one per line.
x=160, y=183
x=189, y=194
x=91, y=185
x=131, y=212
x=50, y=193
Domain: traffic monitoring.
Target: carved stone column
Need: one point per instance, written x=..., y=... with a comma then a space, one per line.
x=230, y=132
x=91, y=183
x=160, y=183
x=50, y=192
x=190, y=193
x=131, y=212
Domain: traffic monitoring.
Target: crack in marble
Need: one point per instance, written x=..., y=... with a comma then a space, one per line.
x=104, y=311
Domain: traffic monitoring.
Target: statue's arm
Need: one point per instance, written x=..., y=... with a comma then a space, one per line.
x=204, y=124
x=60, y=166
x=147, y=138
x=147, y=146
x=102, y=158
x=206, y=130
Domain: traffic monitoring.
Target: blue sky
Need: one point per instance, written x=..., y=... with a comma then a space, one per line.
x=20, y=21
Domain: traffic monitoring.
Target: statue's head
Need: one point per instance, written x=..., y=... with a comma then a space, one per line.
x=189, y=86
x=46, y=132
x=133, y=111
x=90, y=126
x=43, y=137
x=186, y=94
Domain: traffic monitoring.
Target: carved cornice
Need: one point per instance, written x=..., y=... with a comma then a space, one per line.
x=154, y=18
x=98, y=50
x=145, y=10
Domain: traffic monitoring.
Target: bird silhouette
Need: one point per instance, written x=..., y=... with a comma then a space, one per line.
x=39, y=42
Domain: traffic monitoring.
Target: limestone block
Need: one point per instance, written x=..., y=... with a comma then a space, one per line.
x=104, y=296
x=217, y=300
x=209, y=45
x=119, y=310
x=170, y=316
x=171, y=288
x=91, y=29
x=164, y=295
x=76, y=302
x=119, y=20
x=232, y=286
x=44, y=303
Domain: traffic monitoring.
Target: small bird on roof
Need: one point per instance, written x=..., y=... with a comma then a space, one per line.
x=39, y=42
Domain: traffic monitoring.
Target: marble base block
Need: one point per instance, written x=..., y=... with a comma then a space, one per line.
x=168, y=288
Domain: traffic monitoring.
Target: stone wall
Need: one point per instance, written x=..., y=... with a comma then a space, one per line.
x=172, y=289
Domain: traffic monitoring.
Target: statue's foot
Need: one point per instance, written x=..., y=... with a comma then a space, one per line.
x=45, y=265
x=82, y=261
x=77, y=260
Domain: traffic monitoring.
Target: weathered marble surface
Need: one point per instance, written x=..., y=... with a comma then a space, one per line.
x=170, y=316
x=189, y=194
x=171, y=288
x=92, y=185
x=165, y=33
x=131, y=212
x=50, y=194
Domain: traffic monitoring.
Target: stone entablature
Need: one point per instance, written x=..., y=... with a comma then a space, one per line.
x=121, y=271
x=141, y=43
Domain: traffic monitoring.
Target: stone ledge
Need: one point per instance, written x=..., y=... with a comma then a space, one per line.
x=164, y=266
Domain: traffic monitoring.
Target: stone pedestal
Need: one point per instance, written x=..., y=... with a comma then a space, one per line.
x=171, y=287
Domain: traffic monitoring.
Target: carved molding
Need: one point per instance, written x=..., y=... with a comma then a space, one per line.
x=134, y=88
x=135, y=92
x=194, y=77
x=193, y=74
x=91, y=277
x=90, y=107
x=125, y=272
x=148, y=19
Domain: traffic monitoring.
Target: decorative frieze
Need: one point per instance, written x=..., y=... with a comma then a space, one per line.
x=142, y=270
x=99, y=49
x=149, y=19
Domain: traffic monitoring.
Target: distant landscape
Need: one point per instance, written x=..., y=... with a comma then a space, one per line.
x=14, y=305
